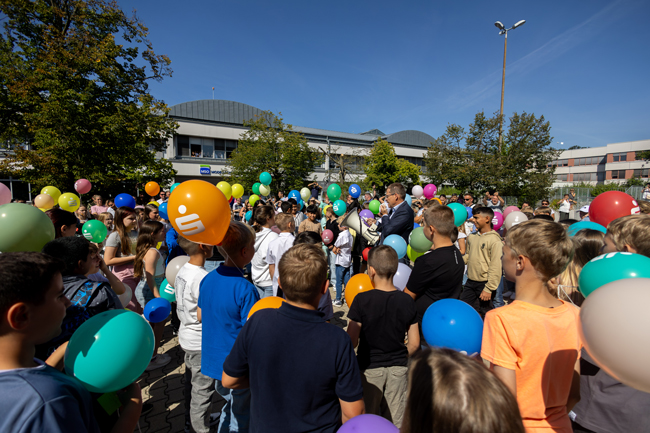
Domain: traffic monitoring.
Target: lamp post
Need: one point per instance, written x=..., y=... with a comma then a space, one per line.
x=504, y=31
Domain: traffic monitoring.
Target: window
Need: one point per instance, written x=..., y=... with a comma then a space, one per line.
x=562, y=177
x=593, y=160
x=584, y=177
x=641, y=173
x=230, y=146
x=197, y=147
x=559, y=163
x=414, y=160
x=618, y=174
x=183, y=145
x=620, y=157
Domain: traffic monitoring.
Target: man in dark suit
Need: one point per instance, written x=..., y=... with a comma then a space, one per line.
x=399, y=220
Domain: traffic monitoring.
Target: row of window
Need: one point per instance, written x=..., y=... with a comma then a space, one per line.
x=204, y=147
x=642, y=173
x=589, y=161
x=592, y=160
x=620, y=157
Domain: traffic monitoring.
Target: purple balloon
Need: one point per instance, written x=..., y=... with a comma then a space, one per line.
x=368, y=423
x=366, y=213
x=497, y=221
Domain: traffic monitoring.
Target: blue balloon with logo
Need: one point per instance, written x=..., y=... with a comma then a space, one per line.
x=162, y=211
x=295, y=195
x=354, y=190
x=125, y=199
x=248, y=215
x=157, y=310
x=453, y=324
x=397, y=243
x=581, y=225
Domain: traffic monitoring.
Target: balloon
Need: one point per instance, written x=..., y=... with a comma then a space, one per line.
x=225, y=188
x=305, y=193
x=366, y=213
x=265, y=178
x=237, y=190
x=368, y=423
x=509, y=209
x=412, y=255
x=294, y=195
x=5, y=195
x=418, y=241
x=417, y=191
x=110, y=350
x=402, y=276
x=613, y=327
x=374, y=206
x=69, y=202
x=43, y=201
x=416, y=225
x=173, y=187
x=24, y=228
x=125, y=297
x=125, y=199
x=453, y=324
x=248, y=215
x=167, y=291
x=339, y=207
x=354, y=190
x=364, y=253
x=460, y=213
x=397, y=243
x=173, y=267
x=53, y=192
x=275, y=229
x=162, y=211
x=497, y=221
x=153, y=203
x=301, y=204
x=408, y=199
x=437, y=199
x=268, y=302
x=611, y=205
x=256, y=188
x=581, y=225
x=430, y=191
x=327, y=236
x=265, y=190
x=333, y=192
x=199, y=211
x=157, y=310
x=94, y=231
x=470, y=212
x=357, y=284
x=514, y=218
x=253, y=199
x=612, y=267
x=152, y=188
x=82, y=186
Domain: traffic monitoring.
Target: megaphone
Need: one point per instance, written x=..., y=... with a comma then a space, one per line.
x=353, y=220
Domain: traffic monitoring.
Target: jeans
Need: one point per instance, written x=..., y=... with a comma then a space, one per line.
x=384, y=392
x=342, y=278
x=236, y=413
x=199, y=389
x=211, y=265
x=264, y=291
x=143, y=292
x=332, y=263
x=498, y=297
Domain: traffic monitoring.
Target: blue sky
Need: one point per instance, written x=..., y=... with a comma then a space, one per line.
x=357, y=65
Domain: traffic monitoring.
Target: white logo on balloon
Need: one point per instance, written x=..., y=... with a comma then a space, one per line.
x=189, y=224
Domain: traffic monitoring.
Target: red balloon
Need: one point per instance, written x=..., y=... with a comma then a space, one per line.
x=327, y=236
x=611, y=205
x=365, y=254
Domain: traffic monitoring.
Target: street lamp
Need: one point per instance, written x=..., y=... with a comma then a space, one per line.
x=504, y=31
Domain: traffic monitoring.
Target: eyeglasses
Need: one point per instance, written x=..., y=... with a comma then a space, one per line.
x=393, y=193
x=467, y=199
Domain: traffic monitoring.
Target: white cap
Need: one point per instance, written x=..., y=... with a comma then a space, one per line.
x=585, y=209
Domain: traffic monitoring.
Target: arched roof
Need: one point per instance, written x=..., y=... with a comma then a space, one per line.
x=410, y=137
x=215, y=110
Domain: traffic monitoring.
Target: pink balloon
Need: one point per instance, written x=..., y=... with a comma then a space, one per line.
x=430, y=191
x=327, y=236
x=275, y=229
x=497, y=221
x=509, y=209
x=82, y=186
x=5, y=194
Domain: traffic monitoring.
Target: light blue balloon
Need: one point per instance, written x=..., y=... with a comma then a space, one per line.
x=610, y=267
x=453, y=324
x=354, y=190
x=460, y=213
x=248, y=215
x=339, y=207
x=266, y=178
x=397, y=243
x=295, y=195
x=167, y=291
x=173, y=187
x=408, y=199
x=581, y=225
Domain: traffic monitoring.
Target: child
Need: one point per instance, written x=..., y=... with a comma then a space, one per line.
x=264, y=219
x=325, y=304
x=483, y=260
x=311, y=224
x=381, y=317
x=100, y=272
x=35, y=397
x=279, y=246
x=533, y=344
x=302, y=372
x=199, y=388
x=628, y=234
x=225, y=299
x=343, y=250
x=451, y=392
x=87, y=298
x=332, y=225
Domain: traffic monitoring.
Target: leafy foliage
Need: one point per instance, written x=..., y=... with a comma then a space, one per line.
x=383, y=167
x=643, y=155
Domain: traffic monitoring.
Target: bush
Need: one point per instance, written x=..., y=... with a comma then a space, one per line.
x=448, y=191
x=599, y=189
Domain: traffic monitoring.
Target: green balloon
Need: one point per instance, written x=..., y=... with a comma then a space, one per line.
x=460, y=213
x=94, y=231
x=253, y=199
x=612, y=267
x=374, y=206
x=334, y=192
x=339, y=207
x=24, y=228
x=167, y=291
x=412, y=255
x=419, y=242
x=256, y=188
x=110, y=350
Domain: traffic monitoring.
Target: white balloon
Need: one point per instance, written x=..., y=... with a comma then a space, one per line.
x=417, y=191
x=402, y=276
x=173, y=267
x=125, y=297
x=265, y=190
x=514, y=218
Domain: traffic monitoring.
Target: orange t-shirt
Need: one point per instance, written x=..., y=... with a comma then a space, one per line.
x=542, y=346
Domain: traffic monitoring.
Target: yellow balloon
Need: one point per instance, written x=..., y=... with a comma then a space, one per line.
x=225, y=188
x=69, y=202
x=53, y=192
x=253, y=199
x=154, y=203
x=265, y=190
x=237, y=190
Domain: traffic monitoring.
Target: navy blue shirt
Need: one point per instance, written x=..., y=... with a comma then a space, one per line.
x=299, y=367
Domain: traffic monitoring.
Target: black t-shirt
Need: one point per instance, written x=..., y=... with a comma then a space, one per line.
x=334, y=227
x=436, y=275
x=385, y=318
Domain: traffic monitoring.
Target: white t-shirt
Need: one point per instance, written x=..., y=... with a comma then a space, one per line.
x=565, y=206
x=259, y=266
x=344, y=242
x=187, y=285
x=277, y=248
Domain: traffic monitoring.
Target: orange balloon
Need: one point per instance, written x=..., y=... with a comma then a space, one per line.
x=198, y=211
x=437, y=199
x=268, y=302
x=357, y=284
x=44, y=201
x=152, y=188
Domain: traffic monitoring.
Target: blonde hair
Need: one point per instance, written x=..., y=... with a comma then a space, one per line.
x=384, y=261
x=238, y=236
x=586, y=245
x=644, y=206
x=632, y=230
x=543, y=210
x=283, y=221
x=440, y=218
x=303, y=270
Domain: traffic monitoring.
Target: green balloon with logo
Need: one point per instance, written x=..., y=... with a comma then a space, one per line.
x=611, y=267
x=167, y=291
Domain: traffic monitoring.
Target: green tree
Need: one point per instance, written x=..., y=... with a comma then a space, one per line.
x=74, y=99
x=643, y=155
x=271, y=145
x=383, y=167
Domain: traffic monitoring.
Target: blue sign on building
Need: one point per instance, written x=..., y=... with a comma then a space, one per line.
x=205, y=169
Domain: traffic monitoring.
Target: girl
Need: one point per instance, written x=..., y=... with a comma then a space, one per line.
x=264, y=219
x=149, y=267
x=150, y=213
x=107, y=219
x=82, y=214
x=65, y=223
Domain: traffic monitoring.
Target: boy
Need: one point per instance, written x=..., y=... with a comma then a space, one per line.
x=628, y=234
x=199, y=388
x=310, y=224
x=302, y=372
x=343, y=250
x=533, y=344
x=87, y=298
x=381, y=317
x=225, y=300
x=483, y=259
x=438, y=274
x=279, y=246
x=35, y=397
x=332, y=225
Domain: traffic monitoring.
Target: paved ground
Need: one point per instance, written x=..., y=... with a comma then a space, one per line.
x=164, y=387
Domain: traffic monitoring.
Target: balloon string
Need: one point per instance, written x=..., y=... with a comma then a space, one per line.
x=565, y=294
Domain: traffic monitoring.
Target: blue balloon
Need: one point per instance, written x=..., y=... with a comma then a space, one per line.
x=248, y=215
x=125, y=199
x=162, y=211
x=408, y=199
x=453, y=324
x=470, y=213
x=416, y=225
x=354, y=190
x=397, y=243
x=581, y=225
x=295, y=195
x=157, y=310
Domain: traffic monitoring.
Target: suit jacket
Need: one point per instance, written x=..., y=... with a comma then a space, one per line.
x=401, y=223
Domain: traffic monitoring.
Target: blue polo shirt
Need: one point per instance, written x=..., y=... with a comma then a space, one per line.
x=299, y=367
x=225, y=298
